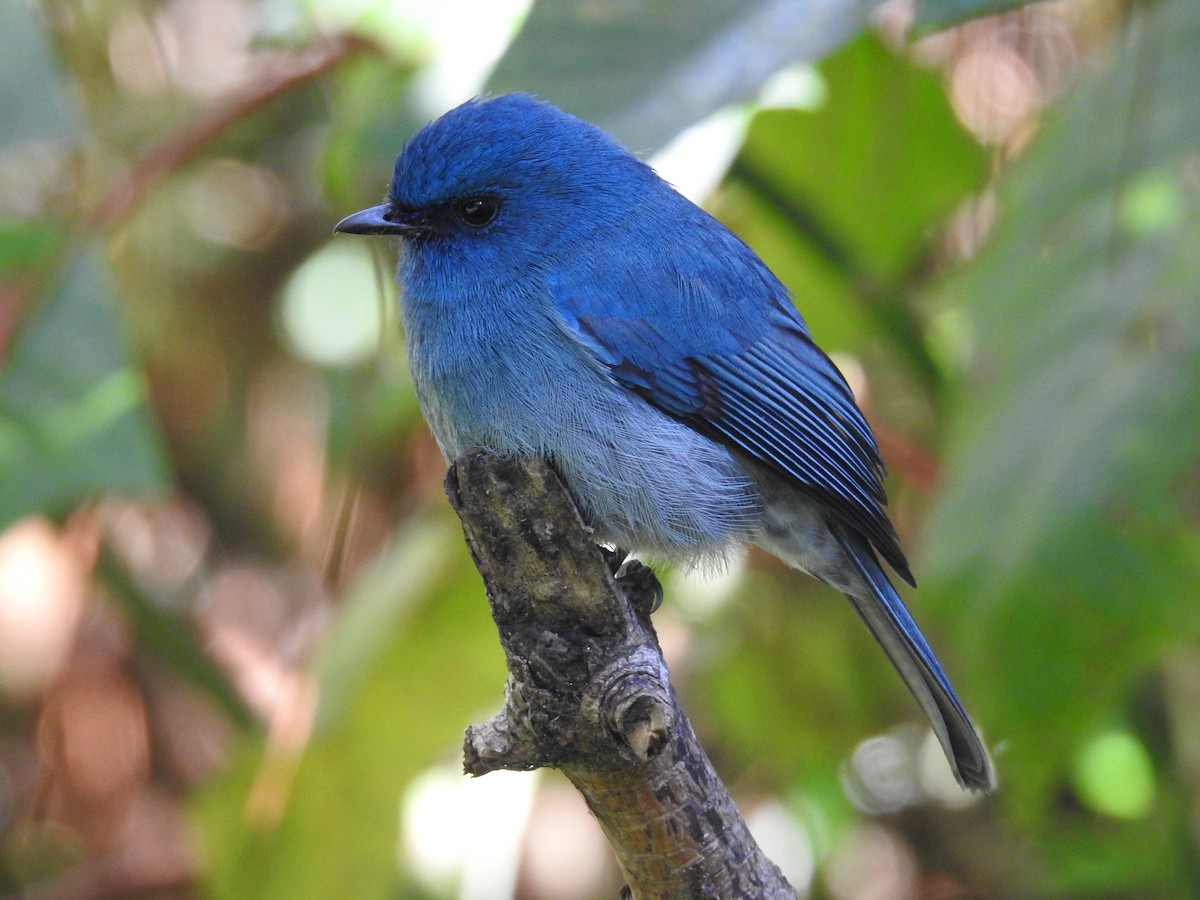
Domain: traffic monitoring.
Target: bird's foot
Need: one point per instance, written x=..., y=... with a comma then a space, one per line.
x=614, y=557
x=636, y=579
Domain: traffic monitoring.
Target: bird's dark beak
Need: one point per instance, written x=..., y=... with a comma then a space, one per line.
x=383, y=219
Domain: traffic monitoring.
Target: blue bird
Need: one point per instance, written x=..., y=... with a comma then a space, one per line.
x=559, y=298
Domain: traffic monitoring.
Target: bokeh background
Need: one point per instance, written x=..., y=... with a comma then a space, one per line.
x=240, y=636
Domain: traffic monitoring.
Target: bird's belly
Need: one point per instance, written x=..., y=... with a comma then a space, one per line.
x=642, y=480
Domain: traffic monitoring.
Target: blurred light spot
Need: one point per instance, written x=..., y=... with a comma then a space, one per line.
x=262, y=626
x=432, y=839
x=931, y=51
x=32, y=175
x=398, y=27
x=696, y=159
x=796, y=87
x=676, y=636
x=785, y=840
x=466, y=831
x=1047, y=42
x=565, y=854
x=936, y=777
x=93, y=740
x=469, y=37
x=235, y=204
x=700, y=595
x=872, y=863
x=163, y=544
x=1151, y=203
x=290, y=727
x=1114, y=776
x=856, y=376
x=892, y=19
x=331, y=307
x=457, y=42
x=1003, y=69
x=42, y=591
x=881, y=777
x=135, y=57
x=994, y=92
x=205, y=44
x=822, y=813
x=972, y=224
x=951, y=338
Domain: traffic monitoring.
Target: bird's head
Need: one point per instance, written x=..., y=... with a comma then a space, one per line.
x=511, y=166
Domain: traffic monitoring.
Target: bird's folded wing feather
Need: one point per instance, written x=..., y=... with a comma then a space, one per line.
x=743, y=371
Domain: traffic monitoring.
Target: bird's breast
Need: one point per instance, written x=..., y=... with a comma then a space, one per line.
x=492, y=375
x=510, y=378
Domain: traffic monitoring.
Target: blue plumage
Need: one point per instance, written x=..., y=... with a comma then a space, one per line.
x=559, y=298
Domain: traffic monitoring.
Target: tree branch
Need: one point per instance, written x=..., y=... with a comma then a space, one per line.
x=588, y=692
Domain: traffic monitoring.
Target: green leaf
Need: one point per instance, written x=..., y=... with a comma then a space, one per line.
x=933, y=15
x=645, y=70
x=862, y=184
x=26, y=248
x=356, y=160
x=791, y=652
x=1060, y=548
x=72, y=415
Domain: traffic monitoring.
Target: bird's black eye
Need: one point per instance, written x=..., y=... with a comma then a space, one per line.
x=478, y=211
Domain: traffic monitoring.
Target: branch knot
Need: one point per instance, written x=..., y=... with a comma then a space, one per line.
x=635, y=701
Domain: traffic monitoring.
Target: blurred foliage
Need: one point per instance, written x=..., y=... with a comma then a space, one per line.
x=1095, y=522
x=238, y=626
x=935, y=14
x=72, y=416
x=408, y=663
x=850, y=182
x=644, y=71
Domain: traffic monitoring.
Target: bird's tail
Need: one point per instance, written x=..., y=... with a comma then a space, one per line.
x=885, y=614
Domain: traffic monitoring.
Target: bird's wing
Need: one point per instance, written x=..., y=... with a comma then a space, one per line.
x=742, y=371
